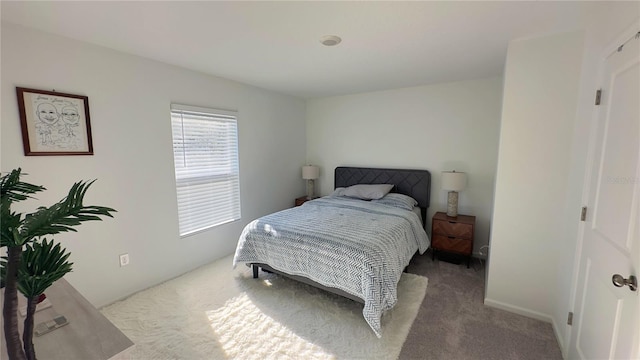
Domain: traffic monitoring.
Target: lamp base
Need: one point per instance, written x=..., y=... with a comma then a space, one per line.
x=452, y=204
x=309, y=189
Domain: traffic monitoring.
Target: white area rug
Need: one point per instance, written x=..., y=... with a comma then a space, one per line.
x=217, y=313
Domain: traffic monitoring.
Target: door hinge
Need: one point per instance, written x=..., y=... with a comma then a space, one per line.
x=598, y=96
x=583, y=214
x=570, y=319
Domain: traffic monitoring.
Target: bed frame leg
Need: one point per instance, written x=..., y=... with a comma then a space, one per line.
x=254, y=267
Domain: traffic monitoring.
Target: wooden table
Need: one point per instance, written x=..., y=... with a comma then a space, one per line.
x=453, y=234
x=88, y=336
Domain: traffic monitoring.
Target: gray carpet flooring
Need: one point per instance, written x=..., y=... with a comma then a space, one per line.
x=454, y=324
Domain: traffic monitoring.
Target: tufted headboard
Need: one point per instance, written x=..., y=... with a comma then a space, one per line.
x=415, y=183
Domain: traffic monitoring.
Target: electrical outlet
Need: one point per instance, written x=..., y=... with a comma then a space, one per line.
x=124, y=260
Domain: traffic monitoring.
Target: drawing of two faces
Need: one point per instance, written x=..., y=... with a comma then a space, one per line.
x=48, y=114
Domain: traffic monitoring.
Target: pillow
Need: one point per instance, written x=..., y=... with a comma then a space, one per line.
x=338, y=192
x=398, y=200
x=367, y=191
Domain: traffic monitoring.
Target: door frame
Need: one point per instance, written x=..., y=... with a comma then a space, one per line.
x=612, y=47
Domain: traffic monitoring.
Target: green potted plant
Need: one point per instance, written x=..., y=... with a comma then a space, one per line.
x=33, y=263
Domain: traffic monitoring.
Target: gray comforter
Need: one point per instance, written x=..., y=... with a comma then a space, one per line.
x=357, y=246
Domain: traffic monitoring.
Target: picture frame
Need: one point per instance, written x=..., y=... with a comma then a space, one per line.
x=54, y=123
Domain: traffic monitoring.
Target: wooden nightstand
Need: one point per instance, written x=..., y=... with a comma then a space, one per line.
x=301, y=200
x=452, y=234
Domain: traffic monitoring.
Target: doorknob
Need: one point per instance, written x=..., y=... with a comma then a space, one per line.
x=619, y=281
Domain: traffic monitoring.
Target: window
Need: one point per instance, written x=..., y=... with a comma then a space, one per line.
x=205, y=152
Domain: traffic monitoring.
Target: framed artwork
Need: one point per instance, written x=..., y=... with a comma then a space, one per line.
x=54, y=123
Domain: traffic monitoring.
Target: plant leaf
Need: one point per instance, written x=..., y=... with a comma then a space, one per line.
x=41, y=265
x=12, y=189
x=10, y=225
x=62, y=216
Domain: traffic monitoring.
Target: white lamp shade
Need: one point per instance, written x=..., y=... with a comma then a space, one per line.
x=454, y=181
x=310, y=172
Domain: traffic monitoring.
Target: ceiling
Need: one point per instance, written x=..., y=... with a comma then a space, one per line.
x=275, y=45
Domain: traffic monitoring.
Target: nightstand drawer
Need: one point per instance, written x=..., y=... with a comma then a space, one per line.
x=452, y=244
x=452, y=228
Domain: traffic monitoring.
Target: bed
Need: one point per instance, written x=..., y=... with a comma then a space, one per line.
x=352, y=247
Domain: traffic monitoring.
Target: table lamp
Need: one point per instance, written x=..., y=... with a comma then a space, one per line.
x=310, y=173
x=453, y=182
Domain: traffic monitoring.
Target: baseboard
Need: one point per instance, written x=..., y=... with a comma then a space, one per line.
x=559, y=338
x=534, y=315
x=518, y=310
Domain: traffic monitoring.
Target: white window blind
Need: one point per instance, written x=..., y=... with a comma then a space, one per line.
x=205, y=151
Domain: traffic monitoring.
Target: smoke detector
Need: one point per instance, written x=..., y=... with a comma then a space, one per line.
x=330, y=40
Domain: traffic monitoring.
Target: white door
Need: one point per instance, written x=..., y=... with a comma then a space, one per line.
x=607, y=317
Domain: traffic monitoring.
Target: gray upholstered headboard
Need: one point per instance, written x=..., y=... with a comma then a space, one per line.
x=415, y=183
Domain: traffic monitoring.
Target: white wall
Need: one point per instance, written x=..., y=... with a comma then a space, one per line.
x=548, y=109
x=437, y=127
x=538, y=114
x=129, y=101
